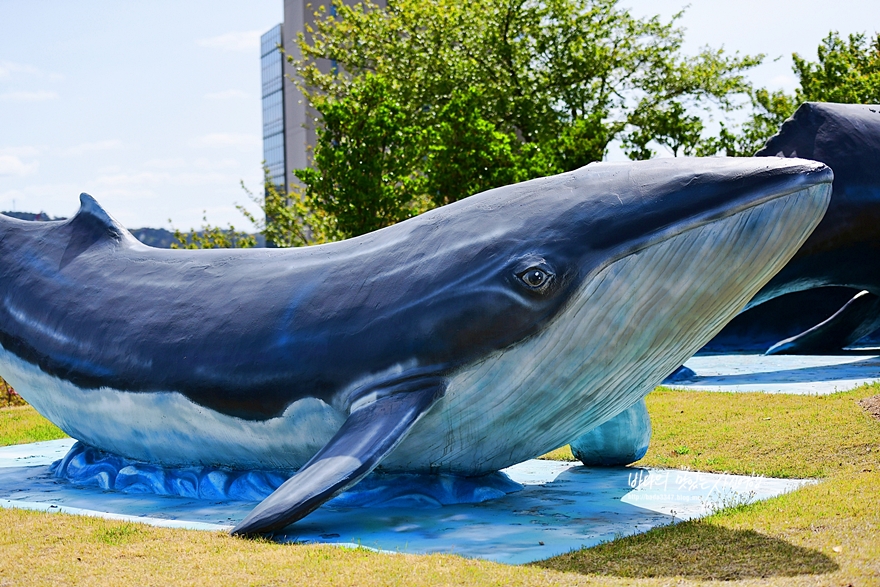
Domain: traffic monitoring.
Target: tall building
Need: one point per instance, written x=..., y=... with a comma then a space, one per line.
x=288, y=124
x=271, y=63
x=286, y=134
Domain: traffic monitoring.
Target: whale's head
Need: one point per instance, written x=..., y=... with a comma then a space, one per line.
x=559, y=302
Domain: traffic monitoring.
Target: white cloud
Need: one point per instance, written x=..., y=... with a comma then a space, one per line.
x=171, y=163
x=93, y=147
x=202, y=178
x=129, y=179
x=13, y=165
x=126, y=180
x=227, y=139
x=122, y=192
x=786, y=82
x=212, y=164
x=23, y=96
x=238, y=41
x=24, y=151
x=7, y=68
x=56, y=199
x=199, y=163
x=227, y=95
x=107, y=169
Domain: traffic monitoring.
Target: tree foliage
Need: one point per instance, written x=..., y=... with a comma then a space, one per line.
x=286, y=222
x=430, y=101
x=365, y=171
x=769, y=111
x=847, y=71
x=213, y=237
x=427, y=102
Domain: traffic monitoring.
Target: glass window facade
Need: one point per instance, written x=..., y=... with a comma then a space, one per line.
x=272, y=63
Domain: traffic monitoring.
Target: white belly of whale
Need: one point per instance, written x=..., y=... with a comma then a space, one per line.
x=168, y=428
x=630, y=325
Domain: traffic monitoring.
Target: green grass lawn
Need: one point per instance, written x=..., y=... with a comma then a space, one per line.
x=824, y=534
x=22, y=424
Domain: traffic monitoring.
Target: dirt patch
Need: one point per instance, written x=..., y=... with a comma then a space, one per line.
x=871, y=405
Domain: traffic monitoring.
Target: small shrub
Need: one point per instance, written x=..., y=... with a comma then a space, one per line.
x=8, y=396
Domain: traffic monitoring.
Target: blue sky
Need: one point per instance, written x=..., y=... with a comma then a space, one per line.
x=154, y=107
x=151, y=107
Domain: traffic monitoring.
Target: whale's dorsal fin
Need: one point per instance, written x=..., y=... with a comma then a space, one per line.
x=366, y=437
x=93, y=217
x=91, y=225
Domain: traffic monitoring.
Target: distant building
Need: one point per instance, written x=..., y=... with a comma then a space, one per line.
x=288, y=125
x=286, y=136
x=271, y=62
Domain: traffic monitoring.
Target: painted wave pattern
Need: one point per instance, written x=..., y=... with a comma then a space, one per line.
x=86, y=465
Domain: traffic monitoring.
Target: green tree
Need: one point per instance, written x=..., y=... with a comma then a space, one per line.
x=427, y=102
x=770, y=109
x=286, y=221
x=847, y=71
x=468, y=154
x=366, y=174
x=213, y=237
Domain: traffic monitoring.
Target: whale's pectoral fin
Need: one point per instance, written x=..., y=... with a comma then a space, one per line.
x=857, y=318
x=369, y=433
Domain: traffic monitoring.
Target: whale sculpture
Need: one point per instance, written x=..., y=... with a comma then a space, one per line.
x=464, y=340
x=844, y=250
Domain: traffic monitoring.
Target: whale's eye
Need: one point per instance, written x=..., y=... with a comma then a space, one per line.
x=534, y=277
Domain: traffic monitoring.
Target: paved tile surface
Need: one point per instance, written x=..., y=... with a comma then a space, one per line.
x=797, y=374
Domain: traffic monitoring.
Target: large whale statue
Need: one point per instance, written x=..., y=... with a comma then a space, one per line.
x=464, y=340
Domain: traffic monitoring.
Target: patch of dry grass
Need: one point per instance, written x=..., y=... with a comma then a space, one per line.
x=44, y=549
x=775, y=435
x=827, y=534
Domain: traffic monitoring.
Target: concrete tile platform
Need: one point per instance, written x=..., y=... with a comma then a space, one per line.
x=797, y=374
x=562, y=507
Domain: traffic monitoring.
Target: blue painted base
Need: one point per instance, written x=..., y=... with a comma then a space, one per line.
x=620, y=441
x=85, y=465
x=795, y=374
x=562, y=507
x=681, y=374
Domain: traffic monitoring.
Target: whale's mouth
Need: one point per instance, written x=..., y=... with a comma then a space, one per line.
x=631, y=323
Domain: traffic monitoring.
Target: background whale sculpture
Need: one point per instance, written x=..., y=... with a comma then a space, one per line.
x=464, y=340
x=843, y=251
